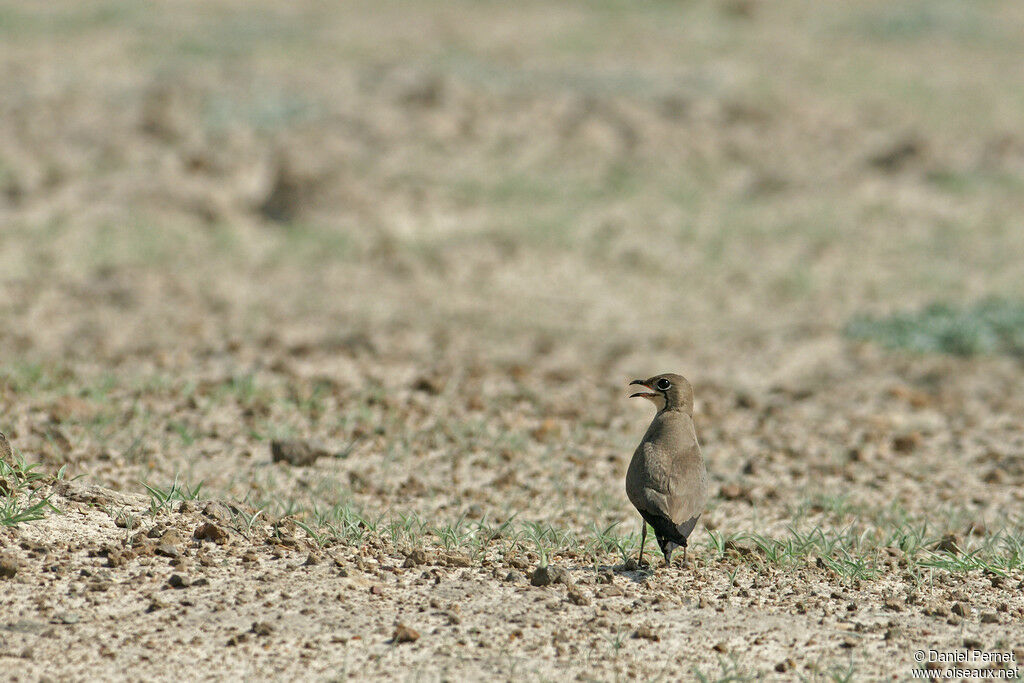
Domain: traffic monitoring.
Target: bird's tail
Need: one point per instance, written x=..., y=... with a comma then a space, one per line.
x=670, y=536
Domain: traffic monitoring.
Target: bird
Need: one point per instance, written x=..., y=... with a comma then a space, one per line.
x=667, y=480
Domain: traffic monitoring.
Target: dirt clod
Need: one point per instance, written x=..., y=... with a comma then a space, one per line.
x=404, y=634
x=906, y=443
x=6, y=454
x=949, y=544
x=415, y=558
x=547, y=575
x=296, y=452
x=208, y=531
x=578, y=597
x=646, y=632
x=261, y=628
x=217, y=511
x=179, y=581
x=9, y=566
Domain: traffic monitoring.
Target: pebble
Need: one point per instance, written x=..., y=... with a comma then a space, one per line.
x=262, y=628
x=550, y=574
x=208, y=531
x=404, y=634
x=179, y=581
x=296, y=452
x=647, y=632
x=578, y=597
x=218, y=512
x=415, y=558
x=9, y=566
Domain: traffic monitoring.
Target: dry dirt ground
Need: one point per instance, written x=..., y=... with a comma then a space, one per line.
x=430, y=244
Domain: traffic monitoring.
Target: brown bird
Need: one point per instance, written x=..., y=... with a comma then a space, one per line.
x=667, y=481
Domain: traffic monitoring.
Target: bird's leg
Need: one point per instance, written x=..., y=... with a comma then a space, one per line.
x=643, y=542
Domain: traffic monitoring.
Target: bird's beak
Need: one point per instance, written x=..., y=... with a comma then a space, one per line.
x=641, y=394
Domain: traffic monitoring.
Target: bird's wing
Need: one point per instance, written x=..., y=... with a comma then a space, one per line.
x=689, y=484
x=677, y=481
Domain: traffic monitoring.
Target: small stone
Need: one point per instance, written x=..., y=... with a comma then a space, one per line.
x=734, y=492
x=415, y=558
x=404, y=634
x=117, y=557
x=295, y=452
x=720, y=647
x=261, y=628
x=208, y=531
x=168, y=550
x=376, y=590
x=949, y=543
x=647, y=633
x=976, y=528
x=6, y=454
x=578, y=597
x=124, y=520
x=428, y=384
x=549, y=574
x=218, y=512
x=906, y=443
x=960, y=609
x=972, y=643
x=179, y=581
x=457, y=560
x=513, y=576
x=155, y=605
x=9, y=566
x=989, y=618
x=237, y=639
x=170, y=537
x=893, y=604
x=518, y=563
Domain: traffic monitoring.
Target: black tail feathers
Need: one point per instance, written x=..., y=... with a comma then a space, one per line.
x=670, y=536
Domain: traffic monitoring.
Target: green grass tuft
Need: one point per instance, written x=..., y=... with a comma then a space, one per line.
x=991, y=326
x=21, y=485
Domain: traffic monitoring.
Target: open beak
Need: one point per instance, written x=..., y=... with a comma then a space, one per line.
x=641, y=394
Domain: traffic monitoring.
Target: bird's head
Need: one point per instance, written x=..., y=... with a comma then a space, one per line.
x=667, y=392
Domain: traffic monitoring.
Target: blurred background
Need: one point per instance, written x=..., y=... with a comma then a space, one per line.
x=412, y=229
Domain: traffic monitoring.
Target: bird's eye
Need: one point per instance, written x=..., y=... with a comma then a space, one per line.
x=663, y=384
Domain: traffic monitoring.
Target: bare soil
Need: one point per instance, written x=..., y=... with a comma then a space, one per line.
x=429, y=246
